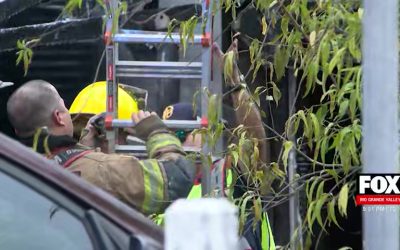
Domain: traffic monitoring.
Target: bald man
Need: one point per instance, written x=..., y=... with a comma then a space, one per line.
x=41, y=120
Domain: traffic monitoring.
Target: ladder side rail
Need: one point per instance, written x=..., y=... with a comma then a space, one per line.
x=112, y=88
x=205, y=82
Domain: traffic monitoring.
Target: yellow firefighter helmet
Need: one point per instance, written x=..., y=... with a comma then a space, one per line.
x=92, y=100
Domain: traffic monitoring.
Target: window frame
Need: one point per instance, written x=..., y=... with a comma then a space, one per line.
x=54, y=194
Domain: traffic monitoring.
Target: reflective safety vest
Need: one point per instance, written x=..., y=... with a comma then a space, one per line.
x=267, y=238
x=218, y=170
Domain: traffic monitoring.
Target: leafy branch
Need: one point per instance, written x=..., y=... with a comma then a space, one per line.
x=24, y=53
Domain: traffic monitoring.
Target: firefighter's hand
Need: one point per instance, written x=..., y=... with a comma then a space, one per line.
x=234, y=79
x=141, y=115
x=89, y=135
x=145, y=124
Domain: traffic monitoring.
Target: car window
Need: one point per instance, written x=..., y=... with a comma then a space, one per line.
x=29, y=220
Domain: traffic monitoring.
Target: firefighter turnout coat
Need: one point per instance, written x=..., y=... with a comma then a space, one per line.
x=148, y=185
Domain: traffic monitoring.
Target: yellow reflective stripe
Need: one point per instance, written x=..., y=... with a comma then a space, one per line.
x=195, y=192
x=264, y=235
x=151, y=150
x=153, y=186
x=36, y=139
x=161, y=137
x=161, y=140
x=46, y=146
x=267, y=238
x=159, y=219
x=228, y=177
x=159, y=143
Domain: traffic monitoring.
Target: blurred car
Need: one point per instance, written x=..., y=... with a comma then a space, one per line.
x=43, y=206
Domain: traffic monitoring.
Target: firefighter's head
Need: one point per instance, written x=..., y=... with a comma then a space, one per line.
x=92, y=101
x=183, y=111
x=37, y=104
x=90, y=104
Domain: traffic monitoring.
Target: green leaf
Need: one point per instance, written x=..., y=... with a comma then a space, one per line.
x=272, y=4
x=325, y=51
x=257, y=212
x=333, y=173
x=213, y=109
x=264, y=25
x=301, y=114
x=311, y=74
x=312, y=38
x=281, y=59
x=276, y=170
x=354, y=48
x=324, y=148
x=124, y=7
x=353, y=106
x=316, y=125
x=308, y=243
x=171, y=26
x=318, y=208
x=285, y=25
x=72, y=5
x=360, y=12
x=256, y=153
x=320, y=190
x=296, y=124
x=259, y=63
x=229, y=59
x=347, y=88
x=20, y=56
x=332, y=213
x=328, y=128
x=287, y=145
x=254, y=49
x=235, y=156
x=345, y=248
x=276, y=93
x=311, y=190
x=357, y=130
x=227, y=5
x=26, y=62
x=243, y=214
x=331, y=91
x=321, y=113
x=337, y=58
x=186, y=32
x=21, y=44
x=344, y=105
x=310, y=218
x=343, y=198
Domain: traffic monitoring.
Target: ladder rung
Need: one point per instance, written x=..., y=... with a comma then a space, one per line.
x=150, y=69
x=157, y=75
x=158, y=64
x=138, y=148
x=138, y=36
x=182, y=124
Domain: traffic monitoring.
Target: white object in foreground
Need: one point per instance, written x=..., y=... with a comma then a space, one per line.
x=201, y=224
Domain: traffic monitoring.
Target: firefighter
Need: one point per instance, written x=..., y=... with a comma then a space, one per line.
x=91, y=101
x=262, y=237
x=41, y=121
x=90, y=104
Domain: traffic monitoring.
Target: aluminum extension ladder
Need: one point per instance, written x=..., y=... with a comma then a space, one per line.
x=155, y=69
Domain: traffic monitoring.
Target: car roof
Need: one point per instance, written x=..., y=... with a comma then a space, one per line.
x=74, y=186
